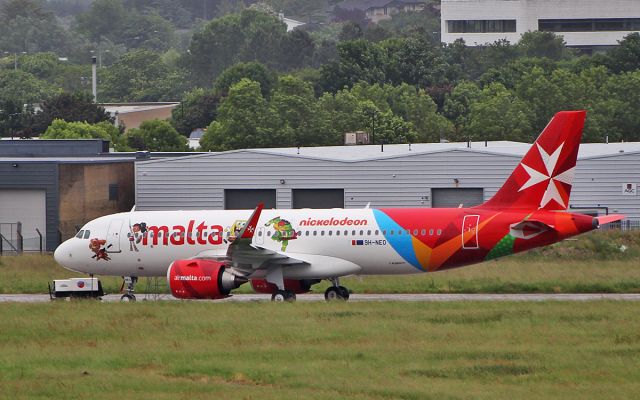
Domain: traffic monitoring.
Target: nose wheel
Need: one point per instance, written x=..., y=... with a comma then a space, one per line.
x=130, y=282
x=336, y=292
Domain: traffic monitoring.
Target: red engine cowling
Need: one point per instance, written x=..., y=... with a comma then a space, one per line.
x=297, y=286
x=200, y=279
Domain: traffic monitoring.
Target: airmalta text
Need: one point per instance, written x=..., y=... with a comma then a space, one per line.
x=180, y=235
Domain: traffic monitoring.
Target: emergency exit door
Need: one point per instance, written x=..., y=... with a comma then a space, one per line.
x=470, y=232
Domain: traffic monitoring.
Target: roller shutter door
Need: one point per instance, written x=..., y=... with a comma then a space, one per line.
x=453, y=197
x=248, y=199
x=318, y=198
x=27, y=207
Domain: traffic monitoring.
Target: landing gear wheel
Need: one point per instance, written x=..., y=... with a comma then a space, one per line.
x=334, y=293
x=283, y=295
x=344, y=292
x=127, y=297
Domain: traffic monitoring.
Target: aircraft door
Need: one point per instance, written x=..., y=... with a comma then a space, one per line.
x=470, y=232
x=260, y=235
x=113, y=236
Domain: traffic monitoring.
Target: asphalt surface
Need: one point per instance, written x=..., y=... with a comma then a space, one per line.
x=39, y=298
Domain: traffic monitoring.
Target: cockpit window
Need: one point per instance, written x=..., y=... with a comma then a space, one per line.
x=79, y=234
x=87, y=234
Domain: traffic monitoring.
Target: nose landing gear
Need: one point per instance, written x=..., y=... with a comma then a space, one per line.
x=336, y=292
x=130, y=282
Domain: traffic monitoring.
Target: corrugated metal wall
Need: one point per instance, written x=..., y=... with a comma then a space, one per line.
x=33, y=175
x=198, y=182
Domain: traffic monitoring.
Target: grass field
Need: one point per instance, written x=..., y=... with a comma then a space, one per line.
x=195, y=350
x=592, y=263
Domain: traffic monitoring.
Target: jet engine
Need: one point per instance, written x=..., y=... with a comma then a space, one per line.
x=296, y=286
x=201, y=279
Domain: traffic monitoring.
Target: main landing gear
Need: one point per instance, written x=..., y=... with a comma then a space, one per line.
x=336, y=292
x=283, y=295
x=130, y=281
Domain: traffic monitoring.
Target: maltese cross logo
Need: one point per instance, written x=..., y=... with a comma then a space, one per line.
x=250, y=228
x=550, y=161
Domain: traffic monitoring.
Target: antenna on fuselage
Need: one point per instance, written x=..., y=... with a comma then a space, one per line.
x=367, y=206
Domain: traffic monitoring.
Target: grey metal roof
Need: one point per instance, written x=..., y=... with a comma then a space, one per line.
x=373, y=152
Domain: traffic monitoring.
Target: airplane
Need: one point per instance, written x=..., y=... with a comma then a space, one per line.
x=208, y=253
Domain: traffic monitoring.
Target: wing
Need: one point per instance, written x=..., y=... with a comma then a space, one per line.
x=243, y=258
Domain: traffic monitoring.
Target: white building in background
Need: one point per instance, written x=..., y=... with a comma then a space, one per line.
x=587, y=24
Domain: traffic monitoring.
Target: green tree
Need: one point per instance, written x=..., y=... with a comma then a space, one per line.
x=359, y=60
x=350, y=31
x=27, y=26
x=244, y=121
x=156, y=135
x=457, y=107
x=294, y=101
x=415, y=61
x=198, y=109
x=23, y=88
x=140, y=75
x=543, y=44
x=70, y=107
x=60, y=129
x=626, y=56
x=254, y=71
x=499, y=115
x=249, y=36
x=106, y=19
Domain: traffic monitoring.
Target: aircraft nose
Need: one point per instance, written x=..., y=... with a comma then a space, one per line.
x=62, y=253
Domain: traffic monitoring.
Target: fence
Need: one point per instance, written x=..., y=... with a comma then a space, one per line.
x=627, y=224
x=13, y=241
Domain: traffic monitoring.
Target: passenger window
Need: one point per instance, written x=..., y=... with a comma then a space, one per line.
x=399, y=231
x=315, y=233
x=361, y=233
x=87, y=234
x=330, y=233
x=306, y=233
x=391, y=232
x=384, y=232
x=79, y=234
x=259, y=233
x=430, y=232
x=353, y=233
x=423, y=232
x=337, y=233
x=377, y=232
x=269, y=233
x=321, y=233
x=369, y=233
x=439, y=231
x=346, y=233
x=415, y=232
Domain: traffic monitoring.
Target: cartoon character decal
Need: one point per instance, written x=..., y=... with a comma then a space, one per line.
x=283, y=231
x=97, y=246
x=135, y=235
x=234, y=230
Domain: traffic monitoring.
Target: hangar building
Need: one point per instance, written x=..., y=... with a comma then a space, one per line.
x=48, y=187
x=417, y=175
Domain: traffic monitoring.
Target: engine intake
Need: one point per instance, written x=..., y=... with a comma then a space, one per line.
x=201, y=279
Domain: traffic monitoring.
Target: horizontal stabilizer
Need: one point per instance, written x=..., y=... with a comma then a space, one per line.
x=529, y=229
x=605, y=219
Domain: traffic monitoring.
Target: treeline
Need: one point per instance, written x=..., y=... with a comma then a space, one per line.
x=253, y=84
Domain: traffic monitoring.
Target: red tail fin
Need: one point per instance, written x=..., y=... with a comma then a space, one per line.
x=544, y=177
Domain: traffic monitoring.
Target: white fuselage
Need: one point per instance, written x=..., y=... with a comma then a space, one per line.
x=144, y=243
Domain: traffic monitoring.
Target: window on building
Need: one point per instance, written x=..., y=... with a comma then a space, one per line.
x=589, y=25
x=481, y=26
x=114, y=188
